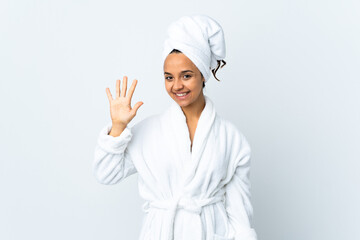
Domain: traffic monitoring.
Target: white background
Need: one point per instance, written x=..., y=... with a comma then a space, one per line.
x=291, y=85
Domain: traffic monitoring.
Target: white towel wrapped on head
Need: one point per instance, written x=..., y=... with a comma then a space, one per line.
x=200, y=38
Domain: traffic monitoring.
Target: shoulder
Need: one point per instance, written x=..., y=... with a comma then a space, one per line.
x=238, y=149
x=229, y=128
x=235, y=138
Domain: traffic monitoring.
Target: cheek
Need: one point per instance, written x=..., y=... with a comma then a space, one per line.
x=196, y=86
x=167, y=87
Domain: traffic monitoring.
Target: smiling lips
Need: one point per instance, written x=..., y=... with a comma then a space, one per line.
x=181, y=95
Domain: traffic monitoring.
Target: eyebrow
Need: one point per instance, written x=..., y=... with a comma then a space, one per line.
x=181, y=72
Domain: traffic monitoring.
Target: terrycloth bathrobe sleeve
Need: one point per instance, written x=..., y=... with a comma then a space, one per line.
x=237, y=201
x=112, y=162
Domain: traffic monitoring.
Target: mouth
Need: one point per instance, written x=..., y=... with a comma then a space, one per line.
x=181, y=95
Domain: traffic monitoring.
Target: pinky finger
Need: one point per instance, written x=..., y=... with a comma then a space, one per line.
x=108, y=93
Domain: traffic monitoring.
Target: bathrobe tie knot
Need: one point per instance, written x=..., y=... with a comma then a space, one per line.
x=189, y=204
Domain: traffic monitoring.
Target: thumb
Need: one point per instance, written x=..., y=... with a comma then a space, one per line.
x=136, y=106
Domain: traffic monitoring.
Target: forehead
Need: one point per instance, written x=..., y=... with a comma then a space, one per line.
x=178, y=61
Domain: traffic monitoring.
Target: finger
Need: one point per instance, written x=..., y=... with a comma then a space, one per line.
x=136, y=107
x=117, y=87
x=132, y=89
x=124, y=86
x=108, y=93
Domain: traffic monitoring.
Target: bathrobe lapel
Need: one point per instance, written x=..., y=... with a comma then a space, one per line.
x=192, y=158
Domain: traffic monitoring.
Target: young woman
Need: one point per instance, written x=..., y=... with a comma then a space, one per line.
x=193, y=165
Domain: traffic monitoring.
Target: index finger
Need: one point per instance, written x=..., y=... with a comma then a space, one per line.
x=131, y=89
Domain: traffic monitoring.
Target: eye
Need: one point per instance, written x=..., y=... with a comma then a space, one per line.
x=168, y=78
x=187, y=76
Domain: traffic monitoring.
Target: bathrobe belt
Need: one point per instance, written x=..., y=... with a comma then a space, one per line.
x=188, y=204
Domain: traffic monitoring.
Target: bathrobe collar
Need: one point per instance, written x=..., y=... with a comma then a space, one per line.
x=204, y=126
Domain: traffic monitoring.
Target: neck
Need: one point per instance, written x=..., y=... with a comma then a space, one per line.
x=193, y=111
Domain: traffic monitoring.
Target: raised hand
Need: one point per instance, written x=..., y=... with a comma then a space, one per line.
x=120, y=107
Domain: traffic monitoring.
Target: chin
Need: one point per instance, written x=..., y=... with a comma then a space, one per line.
x=183, y=104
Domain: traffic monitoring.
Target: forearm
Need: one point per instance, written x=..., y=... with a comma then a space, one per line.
x=112, y=163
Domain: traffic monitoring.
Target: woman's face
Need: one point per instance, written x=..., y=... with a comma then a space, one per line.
x=183, y=80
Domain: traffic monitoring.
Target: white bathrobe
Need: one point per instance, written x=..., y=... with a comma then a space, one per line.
x=198, y=193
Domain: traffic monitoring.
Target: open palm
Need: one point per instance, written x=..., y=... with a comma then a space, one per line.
x=120, y=107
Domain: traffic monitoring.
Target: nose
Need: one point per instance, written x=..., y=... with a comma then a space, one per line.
x=178, y=84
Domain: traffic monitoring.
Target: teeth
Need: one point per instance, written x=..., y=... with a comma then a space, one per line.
x=182, y=94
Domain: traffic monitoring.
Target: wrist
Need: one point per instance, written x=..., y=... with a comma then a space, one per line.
x=117, y=129
x=118, y=124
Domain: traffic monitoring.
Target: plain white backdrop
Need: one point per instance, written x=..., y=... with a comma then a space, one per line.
x=291, y=84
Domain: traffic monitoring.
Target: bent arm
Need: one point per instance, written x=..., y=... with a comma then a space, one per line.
x=112, y=162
